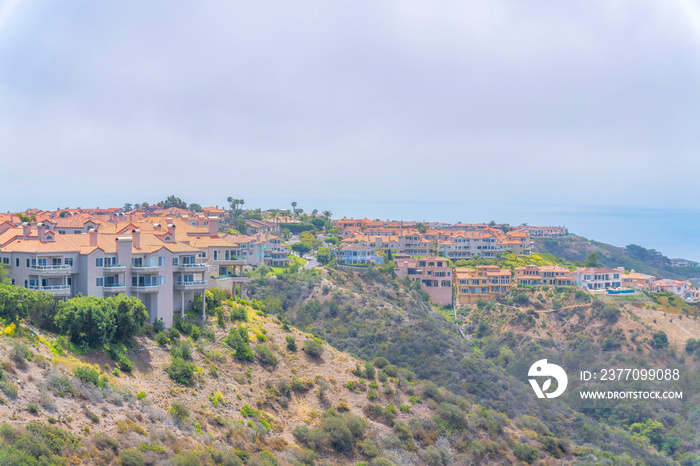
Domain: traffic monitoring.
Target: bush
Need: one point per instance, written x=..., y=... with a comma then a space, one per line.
x=181, y=371
x=266, y=356
x=291, y=344
x=182, y=349
x=19, y=353
x=238, y=313
x=313, y=348
x=131, y=457
x=525, y=453
x=179, y=411
x=659, y=340
x=162, y=339
x=187, y=458
x=380, y=363
x=87, y=374
x=237, y=340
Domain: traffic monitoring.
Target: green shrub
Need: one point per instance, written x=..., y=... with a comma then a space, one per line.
x=313, y=348
x=182, y=349
x=525, y=453
x=380, y=363
x=181, y=371
x=140, y=395
x=291, y=344
x=237, y=340
x=8, y=388
x=131, y=457
x=266, y=356
x=88, y=375
x=187, y=458
x=162, y=339
x=179, y=411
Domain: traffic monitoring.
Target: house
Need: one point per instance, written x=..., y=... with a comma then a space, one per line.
x=598, y=278
x=433, y=273
x=357, y=254
x=552, y=275
x=485, y=282
x=637, y=280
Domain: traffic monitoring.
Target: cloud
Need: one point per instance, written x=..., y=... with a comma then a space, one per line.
x=589, y=102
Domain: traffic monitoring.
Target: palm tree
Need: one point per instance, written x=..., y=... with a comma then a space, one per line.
x=328, y=214
x=294, y=207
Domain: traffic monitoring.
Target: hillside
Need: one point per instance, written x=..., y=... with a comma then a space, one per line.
x=310, y=405
x=369, y=314
x=574, y=248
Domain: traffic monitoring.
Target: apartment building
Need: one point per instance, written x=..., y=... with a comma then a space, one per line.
x=467, y=244
x=260, y=249
x=680, y=288
x=637, y=280
x=433, y=273
x=534, y=275
x=161, y=272
x=485, y=282
x=598, y=278
x=353, y=254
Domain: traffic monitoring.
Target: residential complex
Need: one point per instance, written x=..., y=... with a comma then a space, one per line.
x=534, y=275
x=163, y=261
x=433, y=273
x=485, y=282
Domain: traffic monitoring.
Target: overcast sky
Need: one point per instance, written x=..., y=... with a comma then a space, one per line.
x=561, y=103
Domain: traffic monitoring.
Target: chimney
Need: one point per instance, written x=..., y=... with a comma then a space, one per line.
x=26, y=229
x=213, y=226
x=168, y=220
x=93, y=237
x=136, y=235
x=171, y=232
x=41, y=230
x=200, y=220
x=257, y=237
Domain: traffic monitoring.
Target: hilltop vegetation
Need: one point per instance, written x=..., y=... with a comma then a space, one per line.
x=576, y=249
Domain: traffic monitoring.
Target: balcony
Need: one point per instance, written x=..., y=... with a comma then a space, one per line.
x=191, y=285
x=232, y=261
x=145, y=269
x=198, y=267
x=52, y=269
x=145, y=289
x=115, y=268
x=115, y=288
x=56, y=290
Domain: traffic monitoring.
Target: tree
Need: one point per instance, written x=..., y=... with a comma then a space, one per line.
x=294, y=208
x=323, y=255
x=196, y=207
x=592, y=260
x=421, y=227
x=63, y=213
x=328, y=214
x=659, y=340
x=129, y=316
x=314, y=212
x=301, y=248
x=172, y=201
x=86, y=320
x=127, y=207
x=310, y=240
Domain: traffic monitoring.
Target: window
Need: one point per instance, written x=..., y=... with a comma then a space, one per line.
x=56, y=261
x=161, y=279
x=175, y=260
x=17, y=262
x=68, y=261
x=216, y=254
x=99, y=262
x=6, y=260
x=27, y=262
x=161, y=261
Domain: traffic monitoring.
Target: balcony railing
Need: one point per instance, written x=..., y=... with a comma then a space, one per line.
x=51, y=268
x=145, y=288
x=193, y=267
x=55, y=289
x=193, y=284
x=145, y=269
x=115, y=267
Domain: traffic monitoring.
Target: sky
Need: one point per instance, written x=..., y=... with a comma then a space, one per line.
x=353, y=106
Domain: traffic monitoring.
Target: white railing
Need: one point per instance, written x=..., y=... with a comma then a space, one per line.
x=50, y=267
